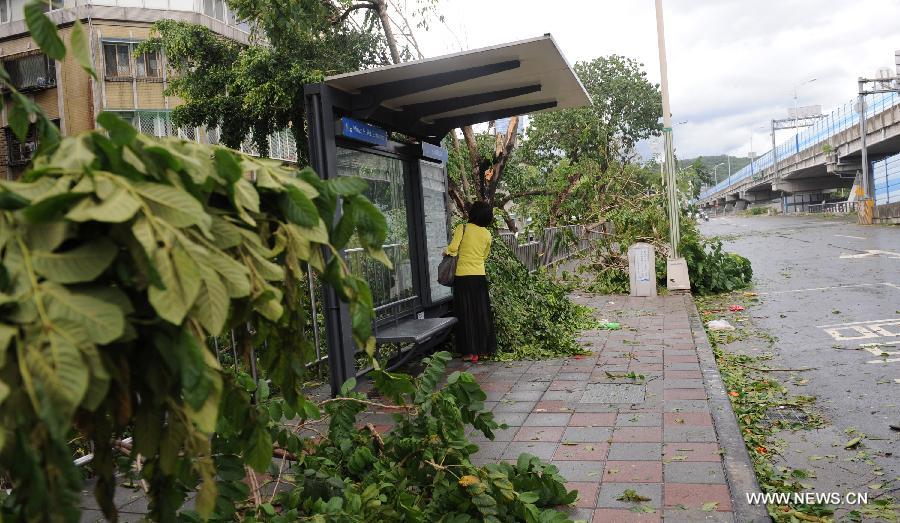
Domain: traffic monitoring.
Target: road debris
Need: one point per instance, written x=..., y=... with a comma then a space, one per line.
x=719, y=325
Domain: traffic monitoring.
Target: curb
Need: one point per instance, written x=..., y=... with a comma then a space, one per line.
x=739, y=471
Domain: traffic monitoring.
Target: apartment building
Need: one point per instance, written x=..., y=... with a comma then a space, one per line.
x=130, y=85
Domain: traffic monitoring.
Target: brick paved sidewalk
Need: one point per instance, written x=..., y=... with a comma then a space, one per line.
x=655, y=436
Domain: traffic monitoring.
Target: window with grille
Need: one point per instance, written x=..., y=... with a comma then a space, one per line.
x=21, y=152
x=214, y=9
x=31, y=73
x=118, y=59
x=4, y=11
x=51, y=5
x=159, y=124
x=147, y=65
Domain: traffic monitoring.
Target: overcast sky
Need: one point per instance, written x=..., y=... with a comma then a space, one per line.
x=733, y=64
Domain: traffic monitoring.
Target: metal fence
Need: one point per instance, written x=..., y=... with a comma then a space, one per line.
x=886, y=176
x=552, y=245
x=833, y=208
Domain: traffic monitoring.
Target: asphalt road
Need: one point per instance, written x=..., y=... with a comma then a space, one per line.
x=830, y=292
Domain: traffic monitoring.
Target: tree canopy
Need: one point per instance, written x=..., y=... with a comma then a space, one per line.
x=254, y=90
x=625, y=108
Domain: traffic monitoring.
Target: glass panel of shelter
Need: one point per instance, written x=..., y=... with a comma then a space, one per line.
x=434, y=196
x=393, y=293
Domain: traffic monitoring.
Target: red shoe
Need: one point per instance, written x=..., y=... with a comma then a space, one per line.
x=474, y=358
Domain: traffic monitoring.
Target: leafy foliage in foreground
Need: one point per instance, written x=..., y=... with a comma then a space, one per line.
x=121, y=256
x=533, y=315
x=421, y=470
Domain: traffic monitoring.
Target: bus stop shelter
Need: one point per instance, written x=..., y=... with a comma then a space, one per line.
x=386, y=125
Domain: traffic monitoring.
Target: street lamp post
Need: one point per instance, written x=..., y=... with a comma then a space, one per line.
x=797, y=86
x=676, y=268
x=715, y=171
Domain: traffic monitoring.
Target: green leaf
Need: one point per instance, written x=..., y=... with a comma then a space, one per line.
x=120, y=206
x=49, y=208
x=81, y=264
x=853, y=443
x=81, y=48
x=207, y=414
x=235, y=275
x=181, y=278
x=211, y=307
x=103, y=321
x=174, y=205
x=393, y=385
x=120, y=131
x=227, y=165
x=246, y=199
x=258, y=450
x=348, y=185
x=74, y=154
x=43, y=30
x=297, y=208
x=98, y=385
x=10, y=201
x=709, y=506
x=7, y=333
x=57, y=368
x=18, y=117
x=371, y=225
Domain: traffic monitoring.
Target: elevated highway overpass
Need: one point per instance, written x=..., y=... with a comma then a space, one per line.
x=826, y=155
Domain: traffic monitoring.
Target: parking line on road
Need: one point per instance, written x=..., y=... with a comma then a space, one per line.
x=858, y=323
x=834, y=287
x=871, y=252
x=854, y=237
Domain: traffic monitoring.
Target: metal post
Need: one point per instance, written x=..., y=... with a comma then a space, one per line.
x=774, y=153
x=676, y=268
x=667, y=132
x=729, y=165
x=865, y=215
x=322, y=155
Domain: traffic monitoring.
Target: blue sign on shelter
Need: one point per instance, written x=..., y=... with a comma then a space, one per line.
x=361, y=131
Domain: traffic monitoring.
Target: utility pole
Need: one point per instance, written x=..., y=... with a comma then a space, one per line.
x=676, y=268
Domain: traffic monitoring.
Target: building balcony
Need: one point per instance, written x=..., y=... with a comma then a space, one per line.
x=214, y=14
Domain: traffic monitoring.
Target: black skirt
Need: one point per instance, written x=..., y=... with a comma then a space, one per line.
x=472, y=306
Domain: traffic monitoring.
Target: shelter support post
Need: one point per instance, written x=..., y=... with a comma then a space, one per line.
x=323, y=159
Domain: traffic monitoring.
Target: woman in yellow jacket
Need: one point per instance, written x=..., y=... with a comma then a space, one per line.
x=471, y=303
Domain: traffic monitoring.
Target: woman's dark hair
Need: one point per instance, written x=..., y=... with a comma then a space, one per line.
x=481, y=214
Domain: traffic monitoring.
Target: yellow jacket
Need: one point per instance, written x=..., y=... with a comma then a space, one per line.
x=476, y=245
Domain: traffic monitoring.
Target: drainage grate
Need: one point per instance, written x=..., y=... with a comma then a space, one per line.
x=788, y=415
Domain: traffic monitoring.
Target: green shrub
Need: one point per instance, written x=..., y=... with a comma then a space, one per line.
x=533, y=315
x=712, y=270
x=756, y=211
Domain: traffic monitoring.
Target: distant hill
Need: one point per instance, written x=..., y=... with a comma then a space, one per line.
x=737, y=163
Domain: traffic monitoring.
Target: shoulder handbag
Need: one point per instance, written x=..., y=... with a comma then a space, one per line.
x=447, y=268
